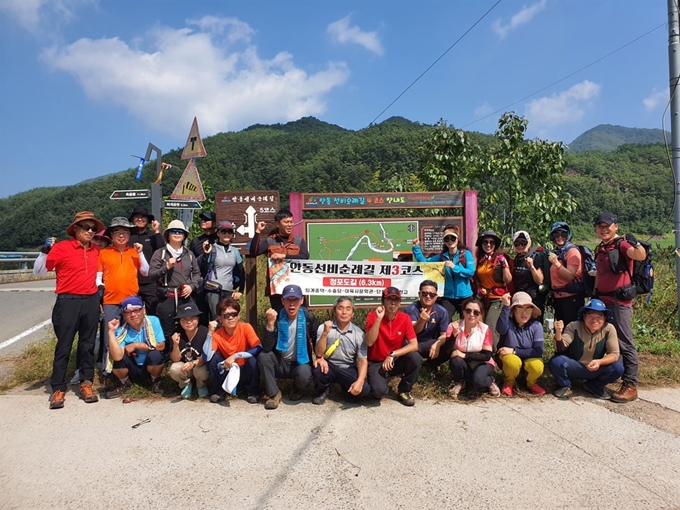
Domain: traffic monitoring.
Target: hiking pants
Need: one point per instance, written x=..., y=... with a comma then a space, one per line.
x=345, y=377
x=273, y=366
x=480, y=376
x=564, y=369
x=408, y=365
x=623, y=316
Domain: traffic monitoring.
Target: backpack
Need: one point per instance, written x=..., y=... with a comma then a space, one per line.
x=586, y=285
x=643, y=270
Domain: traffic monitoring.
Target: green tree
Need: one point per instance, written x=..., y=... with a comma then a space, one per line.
x=520, y=182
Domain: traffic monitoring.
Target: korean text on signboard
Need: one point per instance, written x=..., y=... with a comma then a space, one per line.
x=424, y=200
x=245, y=209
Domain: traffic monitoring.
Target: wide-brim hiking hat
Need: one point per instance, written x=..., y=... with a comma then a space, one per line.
x=597, y=306
x=82, y=216
x=118, y=222
x=140, y=209
x=523, y=299
x=187, y=310
x=486, y=234
x=103, y=235
x=174, y=224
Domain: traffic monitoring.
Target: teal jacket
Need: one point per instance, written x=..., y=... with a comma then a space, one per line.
x=457, y=280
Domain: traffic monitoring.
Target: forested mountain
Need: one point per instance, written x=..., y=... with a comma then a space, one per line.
x=310, y=155
x=607, y=137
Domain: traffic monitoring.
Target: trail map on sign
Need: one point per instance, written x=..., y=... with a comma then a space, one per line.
x=365, y=240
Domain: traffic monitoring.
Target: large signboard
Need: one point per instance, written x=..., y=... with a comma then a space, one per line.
x=424, y=200
x=245, y=209
x=323, y=281
x=373, y=240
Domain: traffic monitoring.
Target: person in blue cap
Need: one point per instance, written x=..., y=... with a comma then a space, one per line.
x=588, y=349
x=135, y=348
x=287, y=347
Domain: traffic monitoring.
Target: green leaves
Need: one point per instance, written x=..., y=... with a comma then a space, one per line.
x=519, y=181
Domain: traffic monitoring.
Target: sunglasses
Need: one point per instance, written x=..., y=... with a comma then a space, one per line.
x=520, y=243
x=88, y=228
x=560, y=234
x=229, y=315
x=176, y=231
x=489, y=241
x=450, y=239
x=225, y=231
x=470, y=311
x=428, y=294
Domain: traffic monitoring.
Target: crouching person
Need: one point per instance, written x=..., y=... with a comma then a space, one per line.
x=187, y=347
x=235, y=347
x=521, y=343
x=341, y=355
x=587, y=348
x=135, y=348
x=392, y=348
x=287, y=347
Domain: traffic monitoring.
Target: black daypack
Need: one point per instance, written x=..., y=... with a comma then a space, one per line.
x=586, y=284
x=643, y=270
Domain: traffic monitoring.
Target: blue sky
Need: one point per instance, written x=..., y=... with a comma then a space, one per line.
x=87, y=83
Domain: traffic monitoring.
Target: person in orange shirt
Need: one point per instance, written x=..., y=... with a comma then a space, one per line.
x=117, y=270
x=235, y=343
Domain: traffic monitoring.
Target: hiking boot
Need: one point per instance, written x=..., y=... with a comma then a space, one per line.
x=536, y=389
x=87, y=393
x=563, y=392
x=156, y=387
x=595, y=391
x=626, y=393
x=295, y=396
x=76, y=379
x=216, y=398
x=251, y=399
x=203, y=392
x=187, y=390
x=273, y=402
x=507, y=390
x=494, y=391
x=57, y=399
x=118, y=390
x=321, y=398
x=456, y=389
x=406, y=399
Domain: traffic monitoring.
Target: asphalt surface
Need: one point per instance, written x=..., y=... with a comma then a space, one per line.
x=510, y=453
x=23, y=306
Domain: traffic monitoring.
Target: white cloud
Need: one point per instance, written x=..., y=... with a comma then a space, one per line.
x=521, y=18
x=655, y=99
x=187, y=73
x=563, y=107
x=237, y=29
x=342, y=32
x=483, y=109
x=32, y=15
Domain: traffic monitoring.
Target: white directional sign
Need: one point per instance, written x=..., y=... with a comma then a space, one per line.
x=245, y=209
x=125, y=194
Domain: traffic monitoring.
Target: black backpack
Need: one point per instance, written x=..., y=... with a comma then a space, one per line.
x=586, y=285
x=643, y=270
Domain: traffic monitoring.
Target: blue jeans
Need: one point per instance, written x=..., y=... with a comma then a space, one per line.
x=564, y=369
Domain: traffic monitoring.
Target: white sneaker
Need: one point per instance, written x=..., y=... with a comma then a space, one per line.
x=76, y=378
x=456, y=389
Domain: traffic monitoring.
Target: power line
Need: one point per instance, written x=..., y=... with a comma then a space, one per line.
x=566, y=77
x=438, y=59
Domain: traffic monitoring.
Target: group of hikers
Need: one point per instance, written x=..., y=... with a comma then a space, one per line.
x=158, y=299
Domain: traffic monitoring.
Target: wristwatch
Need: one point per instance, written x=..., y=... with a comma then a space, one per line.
x=391, y=354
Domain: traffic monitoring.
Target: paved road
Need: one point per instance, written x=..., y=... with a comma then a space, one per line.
x=517, y=453
x=23, y=306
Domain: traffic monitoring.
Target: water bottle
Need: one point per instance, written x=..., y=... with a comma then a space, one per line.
x=48, y=241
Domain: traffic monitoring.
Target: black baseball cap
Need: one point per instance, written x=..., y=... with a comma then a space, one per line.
x=606, y=217
x=207, y=216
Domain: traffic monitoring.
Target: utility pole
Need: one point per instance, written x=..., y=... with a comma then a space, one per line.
x=156, y=196
x=674, y=76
